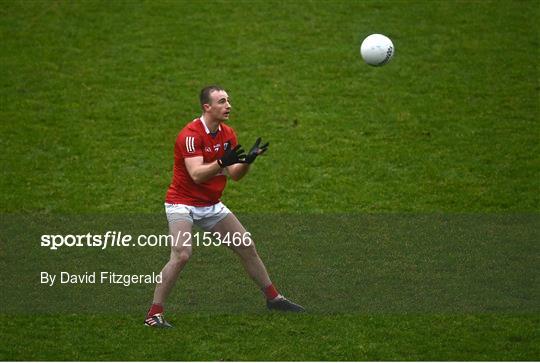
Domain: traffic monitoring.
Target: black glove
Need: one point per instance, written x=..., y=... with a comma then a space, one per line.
x=255, y=151
x=232, y=156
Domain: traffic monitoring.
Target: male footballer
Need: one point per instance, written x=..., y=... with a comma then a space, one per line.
x=205, y=152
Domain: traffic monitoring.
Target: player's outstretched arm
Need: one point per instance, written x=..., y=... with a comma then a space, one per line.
x=201, y=172
x=238, y=171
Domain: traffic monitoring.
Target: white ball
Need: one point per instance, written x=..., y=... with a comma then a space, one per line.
x=377, y=50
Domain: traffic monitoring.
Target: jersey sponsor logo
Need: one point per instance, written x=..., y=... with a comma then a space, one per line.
x=208, y=149
x=190, y=144
x=216, y=147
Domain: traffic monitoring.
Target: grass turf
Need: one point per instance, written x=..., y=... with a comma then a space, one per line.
x=94, y=93
x=275, y=337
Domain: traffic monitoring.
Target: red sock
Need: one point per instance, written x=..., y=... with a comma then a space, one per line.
x=155, y=309
x=270, y=292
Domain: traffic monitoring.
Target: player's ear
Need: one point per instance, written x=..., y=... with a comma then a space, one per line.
x=206, y=106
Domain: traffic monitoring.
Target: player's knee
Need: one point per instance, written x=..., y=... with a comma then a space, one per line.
x=181, y=257
x=184, y=256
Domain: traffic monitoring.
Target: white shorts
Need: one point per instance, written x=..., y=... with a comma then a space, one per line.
x=204, y=217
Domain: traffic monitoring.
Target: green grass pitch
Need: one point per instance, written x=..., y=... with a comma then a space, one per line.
x=400, y=204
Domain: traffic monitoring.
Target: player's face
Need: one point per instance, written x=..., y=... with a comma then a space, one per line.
x=220, y=106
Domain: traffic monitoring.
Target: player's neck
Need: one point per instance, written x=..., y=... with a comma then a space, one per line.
x=213, y=125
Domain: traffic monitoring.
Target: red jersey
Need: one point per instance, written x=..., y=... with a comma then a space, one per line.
x=195, y=139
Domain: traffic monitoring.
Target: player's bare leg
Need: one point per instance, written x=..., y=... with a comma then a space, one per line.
x=181, y=251
x=253, y=264
x=248, y=254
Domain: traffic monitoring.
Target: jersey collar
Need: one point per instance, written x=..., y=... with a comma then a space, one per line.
x=206, y=127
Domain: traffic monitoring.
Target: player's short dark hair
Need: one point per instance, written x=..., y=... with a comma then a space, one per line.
x=204, y=97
